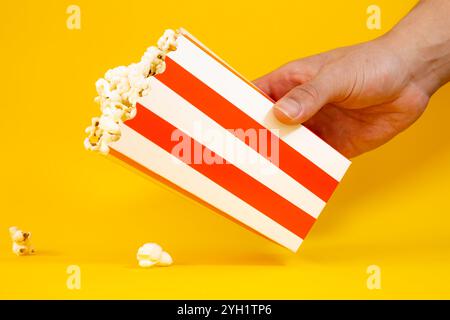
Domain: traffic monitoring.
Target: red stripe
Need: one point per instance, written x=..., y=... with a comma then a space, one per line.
x=184, y=192
x=230, y=117
x=223, y=63
x=231, y=178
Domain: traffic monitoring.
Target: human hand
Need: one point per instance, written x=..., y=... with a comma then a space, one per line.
x=357, y=98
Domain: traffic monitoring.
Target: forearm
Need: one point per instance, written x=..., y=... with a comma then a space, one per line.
x=422, y=38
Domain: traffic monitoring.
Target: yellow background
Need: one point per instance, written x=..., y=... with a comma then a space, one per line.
x=391, y=210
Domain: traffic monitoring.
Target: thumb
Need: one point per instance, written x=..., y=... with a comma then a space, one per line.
x=303, y=101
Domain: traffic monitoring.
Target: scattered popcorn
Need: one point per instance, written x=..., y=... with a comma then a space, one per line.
x=151, y=254
x=120, y=89
x=165, y=260
x=146, y=263
x=150, y=251
x=21, y=242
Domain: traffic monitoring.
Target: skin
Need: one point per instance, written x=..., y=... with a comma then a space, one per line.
x=359, y=97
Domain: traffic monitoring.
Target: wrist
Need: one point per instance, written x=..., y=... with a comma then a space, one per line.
x=422, y=41
x=417, y=67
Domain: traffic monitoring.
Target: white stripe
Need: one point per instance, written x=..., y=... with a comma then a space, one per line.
x=156, y=159
x=181, y=114
x=254, y=104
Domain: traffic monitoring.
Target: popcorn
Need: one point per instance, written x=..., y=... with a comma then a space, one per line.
x=102, y=131
x=165, y=260
x=153, y=60
x=151, y=254
x=146, y=263
x=21, y=242
x=120, y=89
x=168, y=41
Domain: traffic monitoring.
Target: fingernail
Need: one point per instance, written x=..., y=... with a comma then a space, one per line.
x=291, y=108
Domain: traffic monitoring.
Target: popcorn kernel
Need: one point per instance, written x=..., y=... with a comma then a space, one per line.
x=21, y=242
x=151, y=254
x=120, y=89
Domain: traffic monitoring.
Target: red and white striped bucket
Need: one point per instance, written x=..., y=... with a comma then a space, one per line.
x=196, y=132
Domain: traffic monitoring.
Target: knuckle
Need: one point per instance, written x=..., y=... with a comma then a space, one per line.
x=298, y=72
x=308, y=90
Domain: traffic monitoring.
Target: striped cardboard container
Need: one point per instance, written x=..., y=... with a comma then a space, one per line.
x=276, y=187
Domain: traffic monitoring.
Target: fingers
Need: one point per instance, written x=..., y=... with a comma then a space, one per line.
x=264, y=84
x=303, y=101
x=301, y=88
x=279, y=82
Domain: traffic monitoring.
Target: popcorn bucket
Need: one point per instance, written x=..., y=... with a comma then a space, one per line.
x=210, y=134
